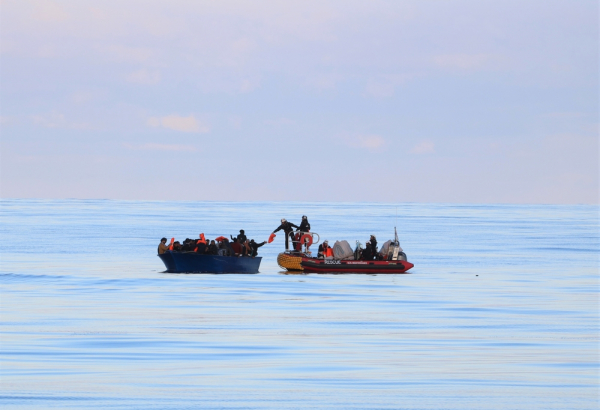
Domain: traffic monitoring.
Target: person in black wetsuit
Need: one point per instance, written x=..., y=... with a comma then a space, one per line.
x=367, y=254
x=373, y=241
x=304, y=225
x=254, y=247
x=288, y=228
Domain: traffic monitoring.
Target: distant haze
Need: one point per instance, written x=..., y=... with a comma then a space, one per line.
x=391, y=101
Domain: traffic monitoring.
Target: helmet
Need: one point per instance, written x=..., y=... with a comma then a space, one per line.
x=325, y=241
x=304, y=217
x=283, y=220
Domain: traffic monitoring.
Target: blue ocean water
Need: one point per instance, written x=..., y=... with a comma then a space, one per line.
x=501, y=310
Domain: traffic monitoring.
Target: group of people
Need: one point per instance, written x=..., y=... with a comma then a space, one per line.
x=370, y=251
x=288, y=229
x=239, y=246
x=367, y=254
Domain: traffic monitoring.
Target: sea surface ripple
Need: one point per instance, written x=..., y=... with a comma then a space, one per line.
x=501, y=310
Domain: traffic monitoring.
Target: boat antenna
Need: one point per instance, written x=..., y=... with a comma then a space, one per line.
x=396, y=224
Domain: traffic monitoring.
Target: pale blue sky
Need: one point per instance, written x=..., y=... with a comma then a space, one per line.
x=394, y=101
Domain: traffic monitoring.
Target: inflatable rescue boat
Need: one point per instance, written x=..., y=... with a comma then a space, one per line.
x=390, y=259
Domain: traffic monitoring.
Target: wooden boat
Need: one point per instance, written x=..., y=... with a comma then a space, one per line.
x=192, y=262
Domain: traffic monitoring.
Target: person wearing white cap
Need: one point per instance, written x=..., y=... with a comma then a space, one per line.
x=288, y=228
x=324, y=250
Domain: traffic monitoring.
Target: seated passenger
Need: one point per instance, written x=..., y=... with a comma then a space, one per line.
x=246, y=251
x=200, y=247
x=324, y=250
x=367, y=253
x=162, y=246
x=187, y=246
x=177, y=246
x=212, y=248
x=237, y=248
x=254, y=247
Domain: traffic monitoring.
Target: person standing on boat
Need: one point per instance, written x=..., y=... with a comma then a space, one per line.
x=367, y=254
x=304, y=225
x=304, y=228
x=241, y=237
x=162, y=246
x=373, y=241
x=288, y=228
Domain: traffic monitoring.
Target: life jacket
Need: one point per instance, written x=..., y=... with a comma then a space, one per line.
x=328, y=251
x=202, y=239
x=171, y=244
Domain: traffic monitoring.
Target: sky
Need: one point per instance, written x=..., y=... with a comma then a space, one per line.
x=384, y=101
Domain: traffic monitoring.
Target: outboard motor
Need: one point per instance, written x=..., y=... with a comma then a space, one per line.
x=395, y=252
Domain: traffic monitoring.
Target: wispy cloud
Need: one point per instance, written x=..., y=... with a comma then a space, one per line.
x=385, y=86
x=161, y=147
x=57, y=120
x=144, y=77
x=50, y=11
x=468, y=61
x=370, y=142
x=280, y=121
x=179, y=123
x=425, y=147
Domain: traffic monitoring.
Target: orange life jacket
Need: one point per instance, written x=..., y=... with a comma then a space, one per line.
x=328, y=252
x=202, y=239
x=171, y=244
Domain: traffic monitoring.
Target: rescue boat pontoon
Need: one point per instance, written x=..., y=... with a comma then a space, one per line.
x=391, y=259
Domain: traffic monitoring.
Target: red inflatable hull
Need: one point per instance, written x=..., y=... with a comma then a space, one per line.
x=314, y=265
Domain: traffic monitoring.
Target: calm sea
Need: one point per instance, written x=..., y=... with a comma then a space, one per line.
x=501, y=310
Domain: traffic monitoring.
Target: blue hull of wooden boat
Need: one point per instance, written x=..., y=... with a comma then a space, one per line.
x=191, y=262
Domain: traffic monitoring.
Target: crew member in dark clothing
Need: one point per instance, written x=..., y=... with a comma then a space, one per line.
x=367, y=253
x=254, y=247
x=373, y=241
x=304, y=225
x=288, y=228
x=237, y=248
x=177, y=246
